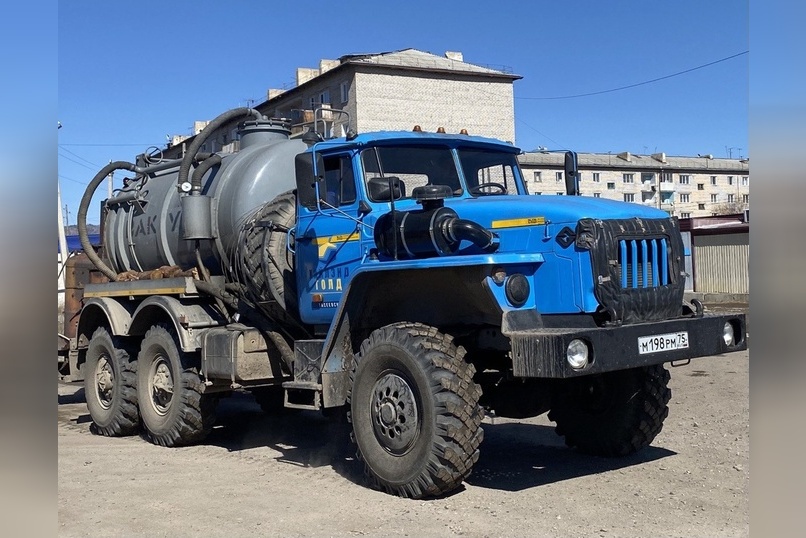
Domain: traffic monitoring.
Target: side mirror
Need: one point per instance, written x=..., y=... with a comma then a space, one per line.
x=379, y=189
x=571, y=174
x=309, y=171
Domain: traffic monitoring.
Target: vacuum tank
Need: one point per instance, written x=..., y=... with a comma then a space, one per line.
x=157, y=220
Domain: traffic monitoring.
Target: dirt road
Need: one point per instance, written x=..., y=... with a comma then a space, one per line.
x=289, y=476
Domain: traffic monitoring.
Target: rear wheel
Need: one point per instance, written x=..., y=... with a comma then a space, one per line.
x=173, y=407
x=110, y=381
x=414, y=411
x=612, y=414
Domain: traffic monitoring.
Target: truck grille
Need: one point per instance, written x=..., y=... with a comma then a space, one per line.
x=643, y=263
x=636, y=266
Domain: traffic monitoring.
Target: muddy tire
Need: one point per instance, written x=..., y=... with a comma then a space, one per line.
x=612, y=414
x=110, y=386
x=173, y=408
x=414, y=411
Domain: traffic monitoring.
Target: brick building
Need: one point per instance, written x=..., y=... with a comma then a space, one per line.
x=390, y=91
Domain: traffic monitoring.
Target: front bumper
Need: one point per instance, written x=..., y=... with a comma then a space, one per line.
x=541, y=352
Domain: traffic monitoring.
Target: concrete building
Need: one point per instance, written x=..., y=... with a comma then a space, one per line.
x=390, y=91
x=683, y=186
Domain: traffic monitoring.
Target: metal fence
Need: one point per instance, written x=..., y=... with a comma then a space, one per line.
x=722, y=263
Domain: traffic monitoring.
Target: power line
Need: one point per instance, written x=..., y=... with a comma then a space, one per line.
x=71, y=179
x=639, y=83
x=82, y=158
x=111, y=145
x=77, y=162
x=538, y=132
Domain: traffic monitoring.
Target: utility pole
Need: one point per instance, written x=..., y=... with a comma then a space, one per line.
x=110, y=184
x=62, y=238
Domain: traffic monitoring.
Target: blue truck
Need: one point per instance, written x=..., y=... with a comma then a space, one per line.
x=404, y=281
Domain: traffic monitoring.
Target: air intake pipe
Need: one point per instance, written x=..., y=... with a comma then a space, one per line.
x=434, y=230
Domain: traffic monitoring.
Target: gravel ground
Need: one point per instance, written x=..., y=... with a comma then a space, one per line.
x=292, y=476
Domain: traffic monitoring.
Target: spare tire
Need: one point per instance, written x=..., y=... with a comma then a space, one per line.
x=266, y=265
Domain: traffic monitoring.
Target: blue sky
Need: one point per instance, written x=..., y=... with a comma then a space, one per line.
x=131, y=72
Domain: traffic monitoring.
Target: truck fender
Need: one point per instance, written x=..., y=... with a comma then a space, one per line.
x=376, y=298
x=99, y=311
x=187, y=319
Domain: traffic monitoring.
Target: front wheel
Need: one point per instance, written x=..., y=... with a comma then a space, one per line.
x=170, y=391
x=612, y=414
x=414, y=411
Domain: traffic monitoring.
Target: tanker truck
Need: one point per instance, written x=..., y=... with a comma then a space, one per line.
x=403, y=281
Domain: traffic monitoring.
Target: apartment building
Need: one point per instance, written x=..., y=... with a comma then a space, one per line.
x=682, y=186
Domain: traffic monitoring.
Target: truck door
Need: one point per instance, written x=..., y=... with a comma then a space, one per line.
x=328, y=242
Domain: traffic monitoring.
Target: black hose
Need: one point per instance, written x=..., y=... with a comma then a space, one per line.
x=475, y=233
x=82, y=215
x=202, y=169
x=201, y=138
x=216, y=292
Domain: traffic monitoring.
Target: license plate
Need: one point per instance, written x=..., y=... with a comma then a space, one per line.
x=662, y=342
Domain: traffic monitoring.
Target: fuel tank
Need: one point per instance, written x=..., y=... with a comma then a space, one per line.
x=143, y=223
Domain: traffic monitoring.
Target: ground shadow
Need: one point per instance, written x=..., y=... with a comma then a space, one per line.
x=76, y=397
x=518, y=456
x=514, y=456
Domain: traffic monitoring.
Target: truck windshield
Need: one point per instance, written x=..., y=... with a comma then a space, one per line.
x=489, y=172
x=413, y=166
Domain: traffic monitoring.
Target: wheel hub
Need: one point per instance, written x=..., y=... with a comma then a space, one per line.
x=104, y=381
x=162, y=385
x=394, y=414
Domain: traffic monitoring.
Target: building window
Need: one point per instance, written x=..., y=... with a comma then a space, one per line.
x=745, y=179
x=628, y=178
x=700, y=186
x=537, y=193
x=629, y=197
x=321, y=99
x=344, y=90
x=558, y=193
x=700, y=206
x=538, y=177
x=666, y=177
x=713, y=180
x=730, y=198
x=730, y=180
x=647, y=177
x=746, y=198
x=684, y=198
x=596, y=177
x=559, y=176
x=611, y=186
x=666, y=197
x=713, y=198
x=684, y=179
x=685, y=215
x=597, y=194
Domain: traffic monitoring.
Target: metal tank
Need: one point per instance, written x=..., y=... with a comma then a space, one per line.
x=152, y=222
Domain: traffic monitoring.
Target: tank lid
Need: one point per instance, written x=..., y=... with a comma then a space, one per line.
x=263, y=131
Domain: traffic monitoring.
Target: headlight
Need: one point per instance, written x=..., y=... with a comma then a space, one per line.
x=727, y=334
x=577, y=354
